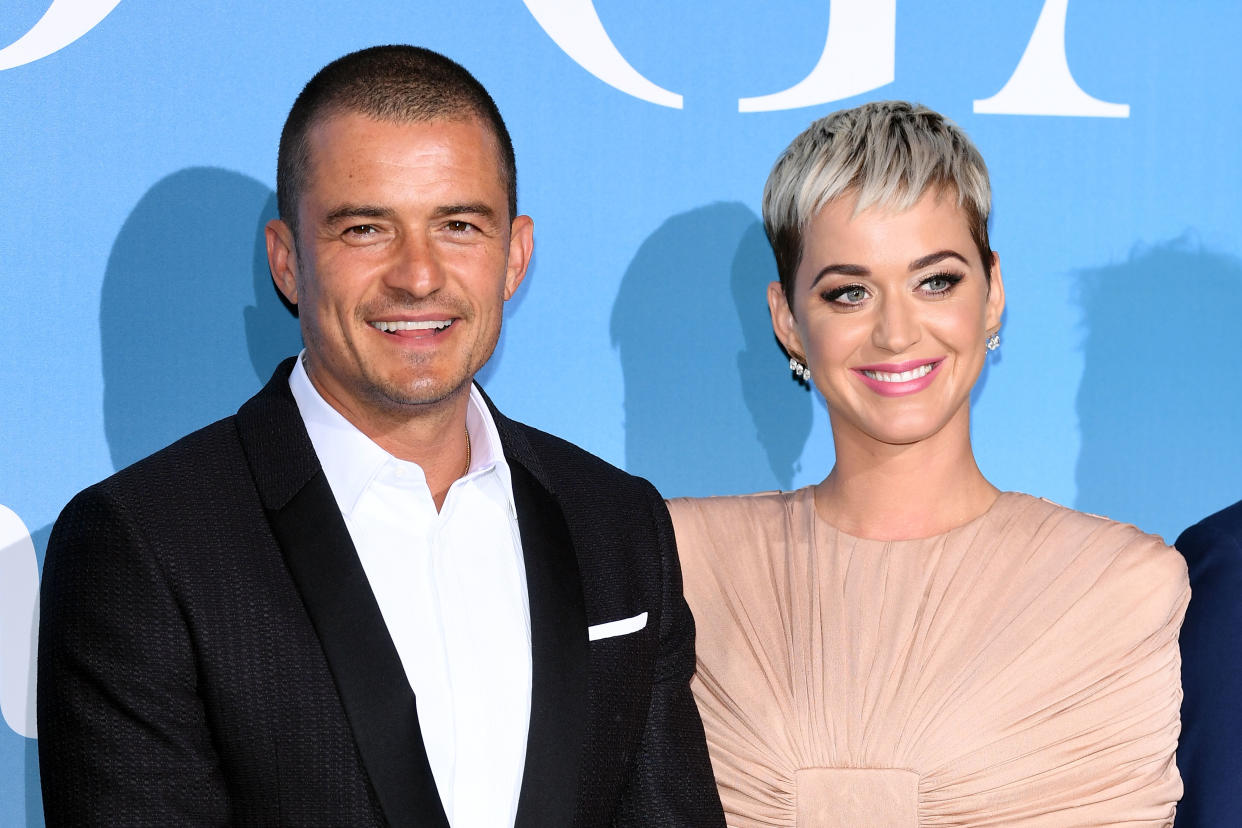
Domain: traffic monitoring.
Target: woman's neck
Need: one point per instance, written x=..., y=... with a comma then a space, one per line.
x=889, y=492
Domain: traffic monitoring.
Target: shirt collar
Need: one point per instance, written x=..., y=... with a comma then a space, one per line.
x=351, y=460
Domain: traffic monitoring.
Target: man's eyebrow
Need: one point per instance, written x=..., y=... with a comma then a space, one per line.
x=939, y=256
x=471, y=209
x=350, y=211
x=843, y=269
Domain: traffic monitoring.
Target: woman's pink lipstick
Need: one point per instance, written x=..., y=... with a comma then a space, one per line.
x=897, y=379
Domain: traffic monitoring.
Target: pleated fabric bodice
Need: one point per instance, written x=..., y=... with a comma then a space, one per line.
x=1021, y=669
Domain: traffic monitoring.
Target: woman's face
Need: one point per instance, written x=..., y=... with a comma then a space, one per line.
x=891, y=311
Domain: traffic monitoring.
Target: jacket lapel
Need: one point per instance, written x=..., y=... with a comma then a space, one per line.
x=559, y=654
x=320, y=556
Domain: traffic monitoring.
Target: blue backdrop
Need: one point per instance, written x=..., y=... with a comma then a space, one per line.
x=138, y=149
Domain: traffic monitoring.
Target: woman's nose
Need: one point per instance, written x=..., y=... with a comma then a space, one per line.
x=897, y=327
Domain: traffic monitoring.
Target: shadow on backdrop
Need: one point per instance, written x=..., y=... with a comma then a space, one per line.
x=191, y=324
x=710, y=406
x=1159, y=400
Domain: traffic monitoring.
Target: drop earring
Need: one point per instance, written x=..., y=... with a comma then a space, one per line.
x=799, y=370
x=993, y=341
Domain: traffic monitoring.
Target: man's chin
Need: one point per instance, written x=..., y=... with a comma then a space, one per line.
x=420, y=393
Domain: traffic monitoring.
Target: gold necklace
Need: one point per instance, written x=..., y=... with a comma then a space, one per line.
x=466, y=470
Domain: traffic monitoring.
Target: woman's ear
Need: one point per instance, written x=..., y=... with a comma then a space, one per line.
x=996, y=296
x=783, y=323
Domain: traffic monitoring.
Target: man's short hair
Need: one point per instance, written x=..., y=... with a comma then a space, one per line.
x=888, y=153
x=389, y=83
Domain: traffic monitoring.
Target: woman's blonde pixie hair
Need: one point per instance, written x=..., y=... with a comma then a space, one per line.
x=888, y=153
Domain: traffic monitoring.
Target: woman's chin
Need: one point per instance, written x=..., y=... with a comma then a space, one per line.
x=908, y=430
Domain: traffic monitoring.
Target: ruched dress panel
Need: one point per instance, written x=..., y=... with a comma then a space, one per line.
x=1019, y=670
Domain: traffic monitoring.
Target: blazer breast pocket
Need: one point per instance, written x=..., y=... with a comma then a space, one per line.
x=612, y=629
x=623, y=653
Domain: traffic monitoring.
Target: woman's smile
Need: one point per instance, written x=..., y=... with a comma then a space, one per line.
x=895, y=380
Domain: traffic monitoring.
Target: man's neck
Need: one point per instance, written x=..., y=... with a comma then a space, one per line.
x=432, y=435
x=437, y=441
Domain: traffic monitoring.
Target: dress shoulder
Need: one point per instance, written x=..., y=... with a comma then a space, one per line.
x=1134, y=567
x=720, y=533
x=701, y=518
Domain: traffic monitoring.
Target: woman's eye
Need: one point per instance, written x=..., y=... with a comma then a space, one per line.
x=940, y=283
x=847, y=295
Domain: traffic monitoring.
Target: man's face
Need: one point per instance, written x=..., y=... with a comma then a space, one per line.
x=404, y=259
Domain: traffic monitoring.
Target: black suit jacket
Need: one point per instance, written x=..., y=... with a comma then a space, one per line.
x=1209, y=752
x=211, y=652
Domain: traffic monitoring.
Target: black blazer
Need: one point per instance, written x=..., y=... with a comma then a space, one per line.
x=1209, y=751
x=211, y=653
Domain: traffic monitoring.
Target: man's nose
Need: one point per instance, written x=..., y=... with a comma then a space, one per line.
x=417, y=269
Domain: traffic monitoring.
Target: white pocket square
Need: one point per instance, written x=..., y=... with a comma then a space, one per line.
x=614, y=628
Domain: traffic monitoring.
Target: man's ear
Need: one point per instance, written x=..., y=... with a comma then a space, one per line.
x=783, y=323
x=282, y=258
x=521, y=247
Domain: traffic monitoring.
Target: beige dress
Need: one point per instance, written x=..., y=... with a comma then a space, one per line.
x=1021, y=669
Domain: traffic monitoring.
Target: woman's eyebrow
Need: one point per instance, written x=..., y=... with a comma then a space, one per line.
x=939, y=256
x=843, y=269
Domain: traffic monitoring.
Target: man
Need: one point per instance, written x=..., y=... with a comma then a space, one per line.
x=1209, y=751
x=368, y=598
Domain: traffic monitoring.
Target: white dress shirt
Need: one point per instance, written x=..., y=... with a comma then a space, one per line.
x=452, y=589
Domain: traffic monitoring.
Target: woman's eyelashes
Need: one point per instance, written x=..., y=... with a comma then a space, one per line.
x=939, y=283
x=854, y=295
x=846, y=295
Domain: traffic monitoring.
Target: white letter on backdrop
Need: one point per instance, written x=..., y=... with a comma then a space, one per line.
x=859, y=55
x=1042, y=83
x=575, y=26
x=64, y=22
x=19, y=620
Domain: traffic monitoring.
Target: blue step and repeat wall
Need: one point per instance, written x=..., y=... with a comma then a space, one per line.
x=137, y=165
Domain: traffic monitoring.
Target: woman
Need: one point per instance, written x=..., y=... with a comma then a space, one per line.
x=902, y=644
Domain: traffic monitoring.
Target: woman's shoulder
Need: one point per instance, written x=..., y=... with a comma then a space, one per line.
x=708, y=527
x=728, y=515
x=1124, y=557
x=724, y=506
x=1040, y=518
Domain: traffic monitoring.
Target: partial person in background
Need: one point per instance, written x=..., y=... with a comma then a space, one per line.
x=1209, y=753
x=902, y=644
x=369, y=598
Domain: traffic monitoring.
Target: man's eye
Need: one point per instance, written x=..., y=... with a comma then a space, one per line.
x=459, y=226
x=361, y=230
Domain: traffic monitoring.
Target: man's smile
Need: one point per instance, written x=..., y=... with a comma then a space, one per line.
x=423, y=327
